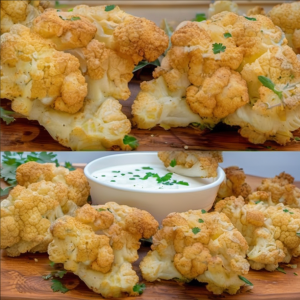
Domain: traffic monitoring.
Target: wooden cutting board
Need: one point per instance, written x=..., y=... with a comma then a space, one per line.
x=21, y=278
x=24, y=135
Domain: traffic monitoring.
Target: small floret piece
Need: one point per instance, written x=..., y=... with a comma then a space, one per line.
x=210, y=251
x=65, y=29
x=78, y=186
x=282, y=190
x=192, y=163
x=256, y=10
x=272, y=231
x=234, y=184
x=103, y=240
x=21, y=12
x=33, y=70
x=219, y=6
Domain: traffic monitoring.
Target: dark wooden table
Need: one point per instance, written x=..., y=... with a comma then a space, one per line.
x=25, y=135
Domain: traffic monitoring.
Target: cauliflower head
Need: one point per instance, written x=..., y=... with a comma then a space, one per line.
x=198, y=245
x=271, y=230
x=20, y=12
x=234, y=184
x=282, y=190
x=99, y=244
x=287, y=17
x=193, y=163
x=32, y=70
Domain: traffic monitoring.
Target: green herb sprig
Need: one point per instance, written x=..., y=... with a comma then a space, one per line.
x=245, y=280
x=109, y=7
x=267, y=82
x=139, y=288
x=6, y=116
x=199, y=17
x=218, y=48
x=130, y=141
x=145, y=63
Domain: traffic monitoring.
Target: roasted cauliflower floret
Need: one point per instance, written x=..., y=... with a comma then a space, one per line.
x=272, y=231
x=192, y=163
x=198, y=245
x=22, y=12
x=100, y=243
x=220, y=6
x=234, y=184
x=282, y=190
x=78, y=186
x=31, y=69
x=137, y=37
x=256, y=10
x=66, y=30
x=287, y=17
x=27, y=214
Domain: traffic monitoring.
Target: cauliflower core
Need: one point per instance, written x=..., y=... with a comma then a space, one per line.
x=44, y=194
x=193, y=163
x=99, y=245
x=271, y=230
x=198, y=245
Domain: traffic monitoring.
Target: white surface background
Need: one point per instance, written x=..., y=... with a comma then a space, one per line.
x=263, y=164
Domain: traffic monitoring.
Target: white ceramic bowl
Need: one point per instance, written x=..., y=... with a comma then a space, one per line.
x=157, y=202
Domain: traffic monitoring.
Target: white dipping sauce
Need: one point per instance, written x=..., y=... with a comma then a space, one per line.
x=130, y=176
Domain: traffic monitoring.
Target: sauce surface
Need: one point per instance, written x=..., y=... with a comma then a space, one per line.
x=147, y=177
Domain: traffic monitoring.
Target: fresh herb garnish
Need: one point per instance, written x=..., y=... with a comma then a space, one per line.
x=182, y=182
x=169, y=31
x=218, y=48
x=6, y=116
x=112, y=181
x=57, y=286
x=139, y=288
x=256, y=202
x=200, y=221
x=285, y=210
x=196, y=230
x=116, y=171
x=268, y=83
x=69, y=166
x=199, y=17
x=62, y=18
x=227, y=35
x=298, y=234
x=296, y=274
x=52, y=264
x=109, y=7
x=201, y=126
x=280, y=270
x=131, y=178
x=71, y=9
x=101, y=209
x=145, y=63
x=250, y=19
x=75, y=18
x=245, y=280
x=203, y=211
x=131, y=141
x=147, y=168
x=173, y=163
x=47, y=277
x=296, y=138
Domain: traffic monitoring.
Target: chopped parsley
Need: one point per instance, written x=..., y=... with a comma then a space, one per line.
x=250, y=19
x=296, y=274
x=130, y=141
x=57, y=286
x=173, y=163
x=280, y=270
x=147, y=168
x=139, y=288
x=227, y=35
x=199, y=17
x=75, y=18
x=109, y=7
x=298, y=234
x=203, y=211
x=218, y=48
x=296, y=138
x=200, y=221
x=196, y=230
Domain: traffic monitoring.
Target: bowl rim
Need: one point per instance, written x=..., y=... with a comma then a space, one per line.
x=219, y=179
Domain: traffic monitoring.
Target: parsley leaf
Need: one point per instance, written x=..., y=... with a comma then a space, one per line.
x=200, y=17
x=196, y=230
x=60, y=273
x=267, y=82
x=218, y=48
x=227, y=35
x=181, y=182
x=296, y=274
x=109, y=7
x=298, y=234
x=296, y=138
x=145, y=63
x=139, y=288
x=200, y=221
x=173, y=163
x=245, y=280
x=69, y=166
x=75, y=18
x=71, y=9
x=285, y=210
x=57, y=286
x=281, y=270
x=203, y=211
x=52, y=264
x=6, y=116
x=46, y=277
x=250, y=19
x=131, y=141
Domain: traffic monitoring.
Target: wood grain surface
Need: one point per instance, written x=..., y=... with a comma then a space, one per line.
x=25, y=135
x=21, y=278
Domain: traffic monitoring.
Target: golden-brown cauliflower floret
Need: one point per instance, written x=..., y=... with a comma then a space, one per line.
x=192, y=163
x=31, y=69
x=219, y=6
x=220, y=95
x=256, y=10
x=65, y=29
x=22, y=11
x=137, y=37
x=27, y=214
x=272, y=231
x=78, y=186
x=198, y=245
x=234, y=184
x=103, y=240
x=282, y=190
x=287, y=17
